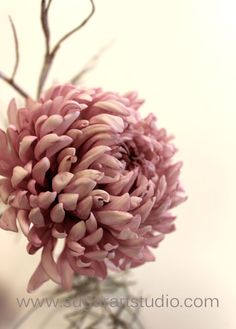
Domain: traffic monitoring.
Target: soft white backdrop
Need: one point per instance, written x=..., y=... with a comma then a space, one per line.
x=180, y=56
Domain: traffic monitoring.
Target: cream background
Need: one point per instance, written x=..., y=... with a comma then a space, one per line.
x=180, y=55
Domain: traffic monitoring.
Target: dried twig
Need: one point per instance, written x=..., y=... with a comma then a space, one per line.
x=50, y=54
x=11, y=80
x=44, y=23
x=90, y=64
x=16, y=48
x=49, y=4
x=14, y=85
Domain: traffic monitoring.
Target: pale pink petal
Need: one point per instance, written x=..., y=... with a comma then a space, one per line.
x=67, y=122
x=23, y=220
x=113, y=106
x=84, y=207
x=65, y=152
x=45, y=199
x=37, y=279
x=145, y=209
x=66, y=163
x=49, y=264
x=51, y=124
x=75, y=248
x=61, y=180
x=5, y=189
x=32, y=186
x=97, y=255
x=12, y=113
x=83, y=186
x=113, y=217
x=44, y=144
x=93, y=238
x=36, y=217
x=19, y=200
x=18, y=175
x=8, y=220
x=65, y=272
x=57, y=213
x=69, y=200
x=40, y=169
x=121, y=202
x=91, y=223
x=3, y=140
x=91, y=156
x=115, y=122
x=63, y=141
x=78, y=231
x=92, y=174
x=26, y=150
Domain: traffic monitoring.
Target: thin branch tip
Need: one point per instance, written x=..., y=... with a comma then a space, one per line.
x=91, y=63
x=76, y=29
x=17, y=53
x=10, y=80
x=50, y=54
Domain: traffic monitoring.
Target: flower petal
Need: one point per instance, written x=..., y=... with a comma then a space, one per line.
x=65, y=272
x=93, y=238
x=8, y=220
x=49, y=264
x=113, y=121
x=45, y=199
x=62, y=142
x=23, y=220
x=50, y=124
x=82, y=186
x=40, y=169
x=44, y=144
x=26, y=150
x=69, y=200
x=57, y=213
x=113, y=217
x=112, y=106
x=97, y=255
x=18, y=175
x=84, y=207
x=78, y=231
x=12, y=113
x=91, y=156
x=37, y=279
x=36, y=217
x=61, y=180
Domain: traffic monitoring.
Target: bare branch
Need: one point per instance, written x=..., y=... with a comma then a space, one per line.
x=16, y=48
x=49, y=4
x=51, y=54
x=44, y=23
x=11, y=80
x=90, y=64
x=76, y=29
x=14, y=85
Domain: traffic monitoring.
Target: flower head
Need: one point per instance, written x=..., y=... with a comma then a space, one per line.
x=82, y=166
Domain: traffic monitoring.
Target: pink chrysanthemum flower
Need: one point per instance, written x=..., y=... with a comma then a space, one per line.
x=81, y=165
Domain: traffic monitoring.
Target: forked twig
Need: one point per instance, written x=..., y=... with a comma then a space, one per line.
x=14, y=85
x=50, y=54
x=11, y=80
